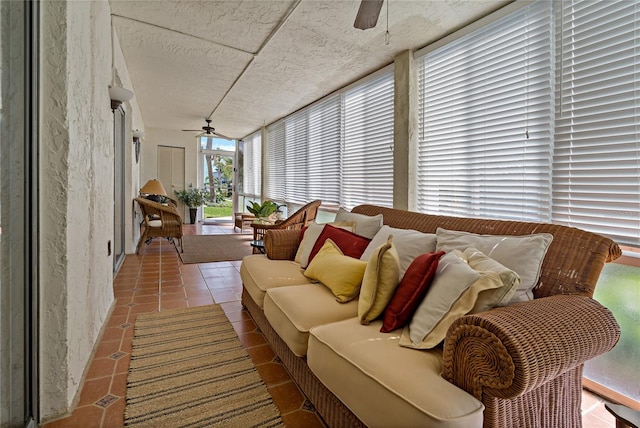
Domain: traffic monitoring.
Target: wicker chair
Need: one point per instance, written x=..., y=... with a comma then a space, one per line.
x=297, y=220
x=243, y=219
x=160, y=221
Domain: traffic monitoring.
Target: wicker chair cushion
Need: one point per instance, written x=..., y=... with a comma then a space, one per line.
x=523, y=254
x=155, y=223
x=341, y=274
x=366, y=226
x=379, y=283
x=409, y=243
x=453, y=294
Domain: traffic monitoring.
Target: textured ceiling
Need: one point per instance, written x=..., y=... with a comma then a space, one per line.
x=247, y=63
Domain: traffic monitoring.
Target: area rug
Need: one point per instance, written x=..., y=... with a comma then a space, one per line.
x=189, y=369
x=215, y=248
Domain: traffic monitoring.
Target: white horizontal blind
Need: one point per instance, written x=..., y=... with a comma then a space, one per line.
x=596, y=171
x=252, y=165
x=295, y=186
x=324, y=140
x=367, y=159
x=485, y=136
x=276, y=162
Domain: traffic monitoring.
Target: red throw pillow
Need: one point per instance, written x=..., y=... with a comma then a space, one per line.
x=411, y=291
x=350, y=244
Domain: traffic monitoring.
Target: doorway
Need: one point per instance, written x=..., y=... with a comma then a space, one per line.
x=218, y=168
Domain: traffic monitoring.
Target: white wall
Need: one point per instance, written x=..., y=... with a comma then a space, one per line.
x=76, y=193
x=155, y=137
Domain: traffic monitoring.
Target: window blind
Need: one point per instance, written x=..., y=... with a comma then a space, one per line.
x=367, y=159
x=338, y=149
x=296, y=157
x=485, y=100
x=596, y=170
x=324, y=140
x=252, y=165
x=275, y=152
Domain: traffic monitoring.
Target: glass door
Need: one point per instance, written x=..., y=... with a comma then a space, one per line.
x=18, y=213
x=118, y=188
x=218, y=165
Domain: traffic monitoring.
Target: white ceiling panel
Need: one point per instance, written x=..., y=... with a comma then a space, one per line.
x=251, y=62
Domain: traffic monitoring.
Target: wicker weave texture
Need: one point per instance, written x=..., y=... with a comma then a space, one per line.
x=296, y=221
x=573, y=261
x=167, y=214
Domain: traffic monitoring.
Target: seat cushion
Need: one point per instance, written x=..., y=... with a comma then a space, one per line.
x=259, y=274
x=292, y=311
x=384, y=384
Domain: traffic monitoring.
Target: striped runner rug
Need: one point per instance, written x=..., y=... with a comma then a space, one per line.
x=189, y=369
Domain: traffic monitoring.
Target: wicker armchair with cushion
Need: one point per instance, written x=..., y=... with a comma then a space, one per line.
x=160, y=221
x=296, y=221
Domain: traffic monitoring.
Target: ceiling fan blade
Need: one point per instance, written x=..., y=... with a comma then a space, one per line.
x=222, y=136
x=189, y=130
x=368, y=13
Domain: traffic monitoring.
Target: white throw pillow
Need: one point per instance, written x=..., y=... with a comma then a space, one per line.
x=310, y=237
x=409, y=244
x=366, y=226
x=452, y=294
x=523, y=254
x=495, y=297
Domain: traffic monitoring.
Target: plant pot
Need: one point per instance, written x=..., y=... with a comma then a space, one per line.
x=193, y=213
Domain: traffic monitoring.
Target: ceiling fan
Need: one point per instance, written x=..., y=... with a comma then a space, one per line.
x=209, y=130
x=368, y=13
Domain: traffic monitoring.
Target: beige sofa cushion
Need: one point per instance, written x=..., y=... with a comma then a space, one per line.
x=386, y=385
x=259, y=274
x=292, y=311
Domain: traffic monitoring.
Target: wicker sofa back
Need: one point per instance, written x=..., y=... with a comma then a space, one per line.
x=573, y=261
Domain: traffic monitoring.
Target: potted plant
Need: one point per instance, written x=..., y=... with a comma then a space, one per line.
x=193, y=198
x=263, y=211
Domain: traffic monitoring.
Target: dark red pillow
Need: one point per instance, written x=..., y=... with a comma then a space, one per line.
x=410, y=292
x=350, y=244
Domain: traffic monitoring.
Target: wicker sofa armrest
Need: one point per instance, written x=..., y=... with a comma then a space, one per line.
x=282, y=244
x=506, y=352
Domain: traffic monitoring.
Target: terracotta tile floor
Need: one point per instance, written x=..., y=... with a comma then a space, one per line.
x=157, y=280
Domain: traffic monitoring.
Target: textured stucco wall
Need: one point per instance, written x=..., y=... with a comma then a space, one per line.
x=77, y=174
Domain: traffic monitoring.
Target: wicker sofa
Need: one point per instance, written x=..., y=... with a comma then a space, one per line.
x=519, y=365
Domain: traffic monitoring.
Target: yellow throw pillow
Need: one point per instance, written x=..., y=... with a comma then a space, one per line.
x=341, y=274
x=380, y=282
